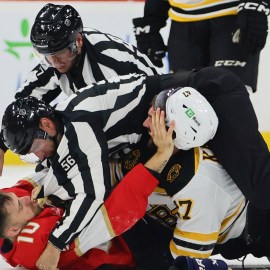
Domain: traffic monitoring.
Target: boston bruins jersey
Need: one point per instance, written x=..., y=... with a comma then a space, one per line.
x=190, y=10
x=196, y=198
x=186, y=11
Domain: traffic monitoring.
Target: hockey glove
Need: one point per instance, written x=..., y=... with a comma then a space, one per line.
x=187, y=263
x=251, y=26
x=149, y=40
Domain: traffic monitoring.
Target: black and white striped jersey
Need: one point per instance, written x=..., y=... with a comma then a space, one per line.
x=97, y=121
x=104, y=56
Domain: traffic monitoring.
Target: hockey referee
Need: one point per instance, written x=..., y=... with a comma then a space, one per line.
x=72, y=57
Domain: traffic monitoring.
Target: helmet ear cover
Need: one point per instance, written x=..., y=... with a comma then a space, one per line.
x=195, y=120
x=20, y=123
x=56, y=27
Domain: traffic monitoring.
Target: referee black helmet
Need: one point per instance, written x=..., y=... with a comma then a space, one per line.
x=21, y=123
x=56, y=28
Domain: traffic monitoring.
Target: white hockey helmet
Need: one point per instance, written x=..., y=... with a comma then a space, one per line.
x=195, y=120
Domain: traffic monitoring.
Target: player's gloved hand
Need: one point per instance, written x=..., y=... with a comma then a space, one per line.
x=149, y=40
x=251, y=26
x=188, y=263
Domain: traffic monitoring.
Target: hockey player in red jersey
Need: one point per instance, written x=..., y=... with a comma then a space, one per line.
x=34, y=236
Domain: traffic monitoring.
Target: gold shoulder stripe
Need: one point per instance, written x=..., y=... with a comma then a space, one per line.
x=160, y=190
x=199, y=4
x=196, y=158
x=178, y=17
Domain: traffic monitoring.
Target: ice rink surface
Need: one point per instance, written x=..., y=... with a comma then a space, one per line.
x=12, y=174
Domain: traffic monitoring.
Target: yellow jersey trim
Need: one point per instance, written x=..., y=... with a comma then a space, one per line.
x=202, y=237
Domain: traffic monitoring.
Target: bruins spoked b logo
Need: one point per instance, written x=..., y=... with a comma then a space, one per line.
x=132, y=159
x=173, y=172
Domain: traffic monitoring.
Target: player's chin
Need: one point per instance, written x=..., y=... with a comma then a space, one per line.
x=63, y=68
x=36, y=208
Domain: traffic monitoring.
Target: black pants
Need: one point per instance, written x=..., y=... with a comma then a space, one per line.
x=193, y=45
x=241, y=149
x=149, y=243
x=254, y=240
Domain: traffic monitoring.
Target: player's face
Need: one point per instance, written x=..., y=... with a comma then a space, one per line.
x=62, y=61
x=21, y=210
x=148, y=121
x=42, y=148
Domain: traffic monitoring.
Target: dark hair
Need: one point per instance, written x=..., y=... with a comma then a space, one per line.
x=4, y=200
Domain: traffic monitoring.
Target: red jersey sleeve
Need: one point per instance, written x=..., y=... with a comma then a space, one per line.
x=128, y=201
x=21, y=188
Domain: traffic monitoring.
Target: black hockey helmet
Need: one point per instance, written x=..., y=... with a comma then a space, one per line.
x=56, y=27
x=21, y=122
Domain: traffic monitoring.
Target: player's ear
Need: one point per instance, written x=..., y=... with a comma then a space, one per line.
x=79, y=43
x=13, y=231
x=48, y=126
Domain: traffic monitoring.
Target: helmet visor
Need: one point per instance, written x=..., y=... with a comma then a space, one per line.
x=30, y=158
x=48, y=59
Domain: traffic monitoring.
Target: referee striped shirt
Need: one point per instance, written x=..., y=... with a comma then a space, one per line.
x=103, y=56
x=98, y=121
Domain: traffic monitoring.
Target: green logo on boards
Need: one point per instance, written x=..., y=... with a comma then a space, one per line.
x=14, y=45
x=190, y=113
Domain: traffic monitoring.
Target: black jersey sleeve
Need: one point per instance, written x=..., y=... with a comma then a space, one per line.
x=157, y=8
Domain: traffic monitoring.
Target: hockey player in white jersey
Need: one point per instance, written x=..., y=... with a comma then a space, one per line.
x=205, y=207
